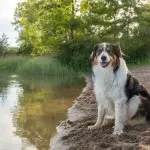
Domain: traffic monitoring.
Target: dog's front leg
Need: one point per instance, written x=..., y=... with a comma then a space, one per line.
x=120, y=116
x=100, y=118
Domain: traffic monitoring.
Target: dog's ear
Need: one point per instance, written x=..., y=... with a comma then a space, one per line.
x=93, y=54
x=117, y=50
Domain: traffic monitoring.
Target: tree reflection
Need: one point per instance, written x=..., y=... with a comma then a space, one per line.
x=4, y=83
x=43, y=105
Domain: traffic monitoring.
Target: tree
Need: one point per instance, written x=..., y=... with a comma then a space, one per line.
x=45, y=24
x=3, y=44
x=63, y=29
x=26, y=22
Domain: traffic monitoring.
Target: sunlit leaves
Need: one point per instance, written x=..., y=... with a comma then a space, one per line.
x=47, y=25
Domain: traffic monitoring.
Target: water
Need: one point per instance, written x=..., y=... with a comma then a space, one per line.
x=31, y=108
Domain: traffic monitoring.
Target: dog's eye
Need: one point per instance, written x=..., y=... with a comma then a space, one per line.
x=110, y=52
x=108, y=49
x=101, y=49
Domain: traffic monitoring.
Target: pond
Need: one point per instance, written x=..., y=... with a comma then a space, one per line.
x=32, y=107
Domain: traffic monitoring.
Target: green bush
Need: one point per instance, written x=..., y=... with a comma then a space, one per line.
x=76, y=54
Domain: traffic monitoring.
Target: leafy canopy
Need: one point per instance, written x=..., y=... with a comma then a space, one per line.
x=68, y=29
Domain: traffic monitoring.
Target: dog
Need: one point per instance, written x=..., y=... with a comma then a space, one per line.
x=118, y=93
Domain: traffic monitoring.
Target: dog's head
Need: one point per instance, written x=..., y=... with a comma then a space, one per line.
x=106, y=54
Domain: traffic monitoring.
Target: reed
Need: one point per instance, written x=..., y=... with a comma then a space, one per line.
x=34, y=66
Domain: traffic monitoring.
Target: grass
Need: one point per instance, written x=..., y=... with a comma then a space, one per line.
x=11, y=64
x=34, y=66
x=40, y=66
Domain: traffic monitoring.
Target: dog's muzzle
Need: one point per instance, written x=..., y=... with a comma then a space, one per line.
x=104, y=63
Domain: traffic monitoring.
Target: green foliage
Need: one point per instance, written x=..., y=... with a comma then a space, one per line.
x=34, y=66
x=12, y=50
x=3, y=45
x=44, y=66
x=78, y=54
x=25, y=49
x=12, y=63
x=68, y=31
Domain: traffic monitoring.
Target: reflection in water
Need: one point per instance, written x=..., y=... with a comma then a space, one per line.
x=9, y=96
x=31, y=108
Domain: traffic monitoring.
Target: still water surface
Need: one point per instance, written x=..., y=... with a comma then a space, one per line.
x=31, y=108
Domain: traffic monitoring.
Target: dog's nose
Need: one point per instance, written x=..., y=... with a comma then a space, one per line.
x=103, y=58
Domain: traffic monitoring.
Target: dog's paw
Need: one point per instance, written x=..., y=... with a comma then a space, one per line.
x=117, y=132
x=93, y=127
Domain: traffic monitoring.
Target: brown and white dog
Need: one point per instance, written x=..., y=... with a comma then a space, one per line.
x=117, y=92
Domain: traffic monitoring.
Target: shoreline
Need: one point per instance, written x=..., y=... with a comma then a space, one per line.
x=73, y=134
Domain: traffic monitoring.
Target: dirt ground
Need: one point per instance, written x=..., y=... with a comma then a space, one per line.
x=73, y=134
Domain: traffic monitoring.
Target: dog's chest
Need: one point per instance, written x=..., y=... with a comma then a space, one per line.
x=110, y=90
x=114, y=92
x=109, y=87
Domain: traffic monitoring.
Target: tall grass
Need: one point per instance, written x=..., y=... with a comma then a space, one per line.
x=34, y=66
x=11, y=64
x=45, y=65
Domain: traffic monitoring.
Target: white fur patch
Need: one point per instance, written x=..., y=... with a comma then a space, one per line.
x=133, y=106
x=104, y=53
